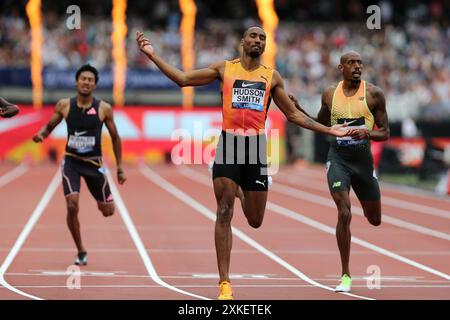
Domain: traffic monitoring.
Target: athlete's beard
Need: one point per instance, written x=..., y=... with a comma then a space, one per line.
x=254, y=54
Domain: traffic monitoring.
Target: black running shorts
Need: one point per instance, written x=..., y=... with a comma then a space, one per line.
x=94, y=176
x=242, y=159
x=347, y=169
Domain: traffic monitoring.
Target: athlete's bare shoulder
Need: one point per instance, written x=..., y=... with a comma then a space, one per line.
x=104, y=105
x=104, y=109
x=375, y=96
x=62, y=106
x=373, y=90
x=219, y=67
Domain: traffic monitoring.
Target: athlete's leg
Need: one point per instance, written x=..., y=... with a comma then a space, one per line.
x=254, y=184
x=106, y=208
x=71, y=187
x=254, y=206
x=225, y=191
x=372, y=211
x=98, y=185
x=365, y=185
x=73, y=223
x=343, y=234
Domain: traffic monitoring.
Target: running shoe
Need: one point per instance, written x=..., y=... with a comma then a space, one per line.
x=82, y=258
x=345, y=285
x=225, y=291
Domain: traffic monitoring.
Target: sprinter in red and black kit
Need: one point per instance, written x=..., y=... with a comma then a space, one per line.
x=85, y=116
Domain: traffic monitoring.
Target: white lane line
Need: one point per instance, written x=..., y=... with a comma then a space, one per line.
x=51, y=189
x=394, y=202
x=138, y=242
x=13, y=174
x=172, y=189
x=320, y=226
x=326, y=202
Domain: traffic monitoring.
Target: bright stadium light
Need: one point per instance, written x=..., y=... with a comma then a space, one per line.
x=34, y=14
x=187, y=31
x=118, y=51
x=269, y=18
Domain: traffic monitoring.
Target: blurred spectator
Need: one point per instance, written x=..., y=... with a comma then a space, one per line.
x=410, y=62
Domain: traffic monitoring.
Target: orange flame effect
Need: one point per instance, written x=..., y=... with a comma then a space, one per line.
x=33, y=9
x=187, y=31
x=119, y=51
x=269, y=18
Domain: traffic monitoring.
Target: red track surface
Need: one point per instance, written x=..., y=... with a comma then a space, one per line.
x=179, y=241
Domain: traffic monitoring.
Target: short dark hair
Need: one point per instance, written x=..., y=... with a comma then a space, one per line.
x=253, y=26
x=87, y=67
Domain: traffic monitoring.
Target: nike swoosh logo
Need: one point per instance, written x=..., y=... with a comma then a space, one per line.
x=347, y=123
x=245, y=85
x=80, y=133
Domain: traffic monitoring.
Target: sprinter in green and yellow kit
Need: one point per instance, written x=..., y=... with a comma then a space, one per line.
x=350, y=163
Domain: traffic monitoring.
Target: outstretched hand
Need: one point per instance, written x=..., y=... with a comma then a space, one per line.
x=38, y=138
x=121, y=176
x=144, y=43
x=341, y=130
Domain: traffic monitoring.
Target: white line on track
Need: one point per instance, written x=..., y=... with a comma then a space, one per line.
x=13, y=174
x=139, y=244
x=393, y=202
x=52, y=187
x=201, y=178
x=326, y=202
x=176, y=192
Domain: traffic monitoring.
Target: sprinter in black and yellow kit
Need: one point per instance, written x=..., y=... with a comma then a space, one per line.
x=85, y=116
x=247, y=87
x=350, y=163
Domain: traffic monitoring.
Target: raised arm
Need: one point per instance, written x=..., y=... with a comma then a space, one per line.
x=115, y=138
x=55, y=119
x=7, y=110
x=294, y=115
x=197, y=77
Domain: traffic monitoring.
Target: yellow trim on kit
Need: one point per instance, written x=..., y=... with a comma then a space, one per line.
x=332, y=100
x=96, y=163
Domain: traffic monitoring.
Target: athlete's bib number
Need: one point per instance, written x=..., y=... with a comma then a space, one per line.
x=81, y=143
x=358, y=123
x=248, y=95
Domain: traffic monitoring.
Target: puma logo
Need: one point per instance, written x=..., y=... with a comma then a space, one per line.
x=263, y=183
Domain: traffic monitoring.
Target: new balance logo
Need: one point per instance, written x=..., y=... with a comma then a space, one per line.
x=79, y=133
x=245, y=85
x=263, y=183
x=336, y=184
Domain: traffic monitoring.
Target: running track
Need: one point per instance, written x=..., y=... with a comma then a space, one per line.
x=160, y=242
